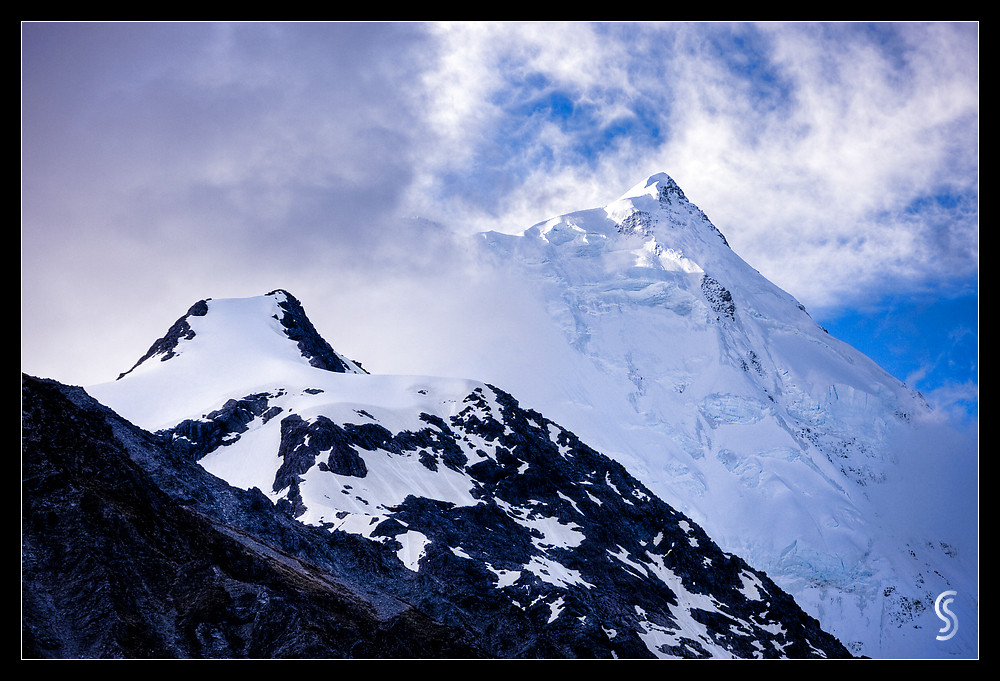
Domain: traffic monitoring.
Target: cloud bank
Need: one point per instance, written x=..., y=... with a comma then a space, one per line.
x=164, y=163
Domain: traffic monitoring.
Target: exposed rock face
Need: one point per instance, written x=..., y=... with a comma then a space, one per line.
x=312, y=345
x=719, y=298
x=197, y=437
x=180, y=330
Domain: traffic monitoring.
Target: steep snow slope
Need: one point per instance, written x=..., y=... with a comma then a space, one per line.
x=717, y=390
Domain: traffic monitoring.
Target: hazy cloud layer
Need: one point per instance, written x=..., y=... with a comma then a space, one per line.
x=164, y=163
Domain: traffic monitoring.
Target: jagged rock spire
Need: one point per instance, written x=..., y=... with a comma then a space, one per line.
x=312, y=345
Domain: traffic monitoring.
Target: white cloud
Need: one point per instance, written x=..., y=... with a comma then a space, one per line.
x=813, y=154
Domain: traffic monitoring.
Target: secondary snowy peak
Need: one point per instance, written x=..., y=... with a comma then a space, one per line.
x=247, y=327
x=226, y=346
x=277, y=305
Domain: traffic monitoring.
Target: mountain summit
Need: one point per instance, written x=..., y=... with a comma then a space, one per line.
x=659, y=186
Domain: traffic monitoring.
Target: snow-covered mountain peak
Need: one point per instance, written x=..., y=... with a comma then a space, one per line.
x=652, y=233
x=658, y=200
x=311, y=344
x=225, y=346
x=656, y=185
x=248, y=327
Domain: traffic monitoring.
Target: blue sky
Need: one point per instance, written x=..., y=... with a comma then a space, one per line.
x=163, y=163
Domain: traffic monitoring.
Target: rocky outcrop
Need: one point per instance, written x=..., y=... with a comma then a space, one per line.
x=719, y=298
x=311, y=344
x=166, y=346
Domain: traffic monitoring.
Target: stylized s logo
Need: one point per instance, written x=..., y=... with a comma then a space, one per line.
x=949, y=618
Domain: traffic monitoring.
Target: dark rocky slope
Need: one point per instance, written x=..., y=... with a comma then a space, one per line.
x=130, y=552
x=130, y=549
